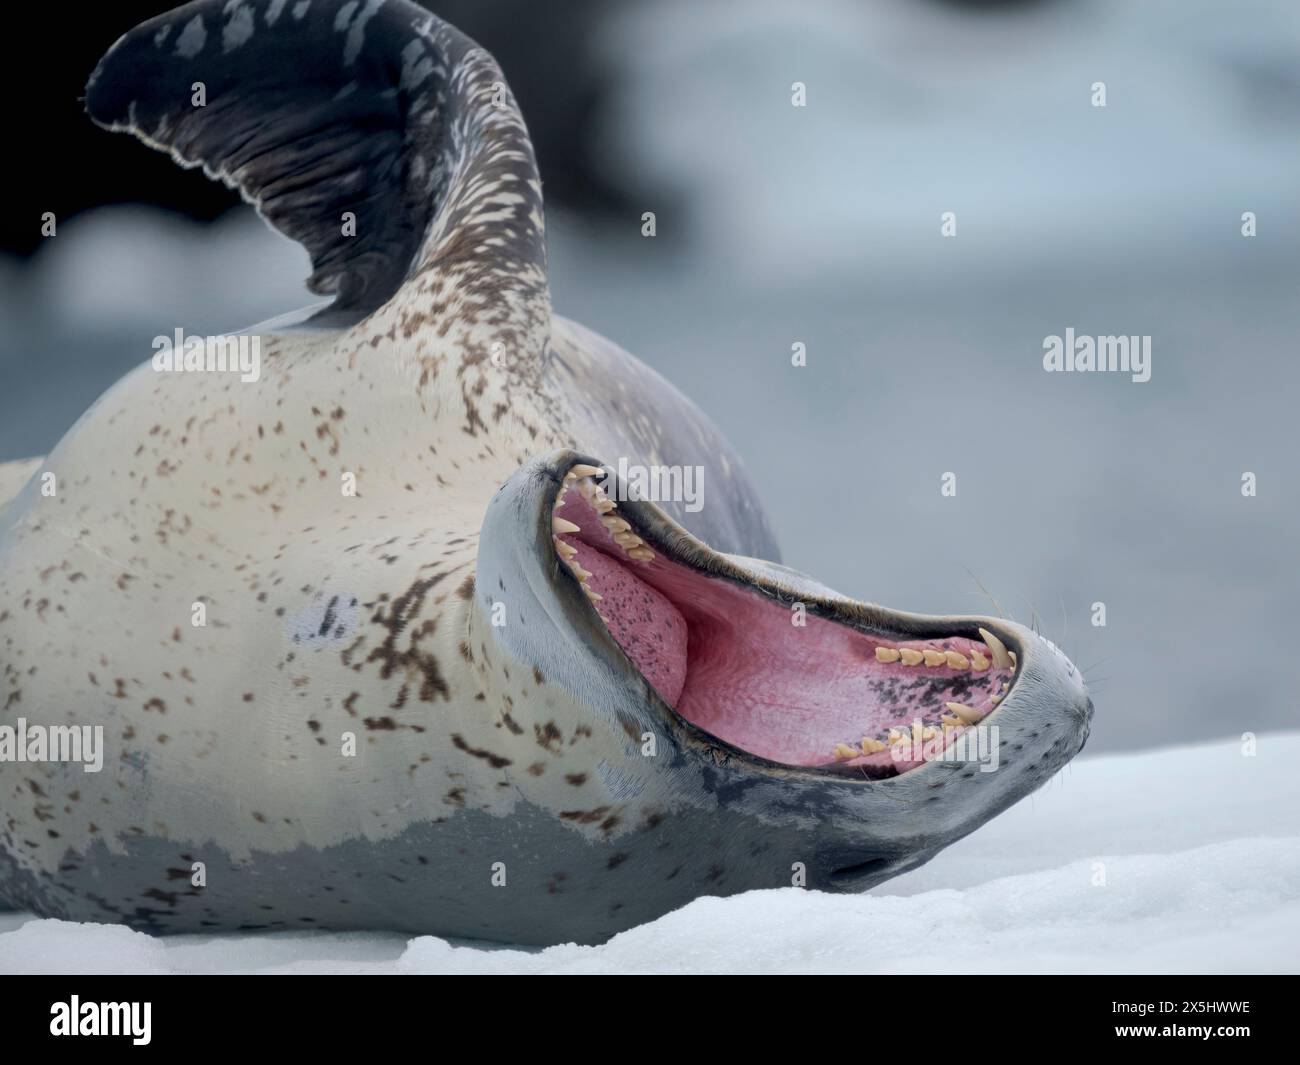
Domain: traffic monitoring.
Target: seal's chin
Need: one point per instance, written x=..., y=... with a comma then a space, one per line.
x=800, y=681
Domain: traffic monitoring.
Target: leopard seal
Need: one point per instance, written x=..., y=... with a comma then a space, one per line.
x=385, y=637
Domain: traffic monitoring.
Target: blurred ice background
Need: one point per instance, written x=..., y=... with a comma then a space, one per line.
x=822, y=225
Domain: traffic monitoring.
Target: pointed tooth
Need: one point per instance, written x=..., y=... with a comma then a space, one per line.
x=934, y=658
x=951, y=722
x=887, y=654
x=563, y=525
x=956, y=660
x=1012, y=655
x=565, y=549
x=910, y=656
x=896, y=737
x=968, y=714
x=642, y=554
x=978, y=661
x=595, y=597
x=582, y=469
x=615, y=525
x=627, y=540
x=843, y=750
x=604, y=505
x=1000, y=657
x=871, y=745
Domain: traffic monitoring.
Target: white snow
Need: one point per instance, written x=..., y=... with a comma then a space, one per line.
x=1179, y=860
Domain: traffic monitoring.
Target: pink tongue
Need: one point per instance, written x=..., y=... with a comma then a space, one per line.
x=646, y=625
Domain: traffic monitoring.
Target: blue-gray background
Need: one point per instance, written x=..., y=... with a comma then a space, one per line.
x=822, y=225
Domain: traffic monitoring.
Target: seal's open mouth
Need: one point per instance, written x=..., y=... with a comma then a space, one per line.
x=758, y=672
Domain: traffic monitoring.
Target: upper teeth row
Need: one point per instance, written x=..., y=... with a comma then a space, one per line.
x=580, y=477
x=915, y=656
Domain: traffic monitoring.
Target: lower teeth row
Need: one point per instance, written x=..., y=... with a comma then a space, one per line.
x=959, y=716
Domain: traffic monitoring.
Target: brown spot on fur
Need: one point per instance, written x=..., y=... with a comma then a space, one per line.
x=576, y=779
x=494, y=760
x=547, y=735
x=585, y=817
x=346, y=654
x=630, y=725
x=413, y=661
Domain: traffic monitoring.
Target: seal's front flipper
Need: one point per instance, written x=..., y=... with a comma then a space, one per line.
x=374, y=134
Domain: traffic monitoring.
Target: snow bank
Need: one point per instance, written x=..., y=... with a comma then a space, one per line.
x=1181, y=860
